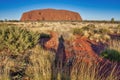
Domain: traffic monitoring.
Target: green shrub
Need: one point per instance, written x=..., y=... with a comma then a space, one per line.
x=44, y=35
x=78, y=31
x=112, y=20
x=89, y=27
x=118, y=26
x=112, y=55
x=16, y=39
x=104, y=31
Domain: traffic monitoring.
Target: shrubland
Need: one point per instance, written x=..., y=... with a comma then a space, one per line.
x=17, y=40
x=22, y=58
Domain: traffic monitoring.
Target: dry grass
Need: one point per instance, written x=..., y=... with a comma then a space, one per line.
x=5, y=64
x=115, y=44
x=41, y=63
x=82, y=71
x=38, y=64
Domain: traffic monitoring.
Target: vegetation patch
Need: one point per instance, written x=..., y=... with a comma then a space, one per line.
x=111, y=54
x=44, y=35
x=118, y=26
x=77, y=31
x=89, y=27
x=17, y=40
x=39, y=64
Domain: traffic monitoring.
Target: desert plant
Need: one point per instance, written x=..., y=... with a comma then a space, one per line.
x=44, y=35
x=83, y=71
x=16, y=39
x=42, y=62
x=104, y=31
x=112, y=55
x=118, y=27
x=113, y=51
x=112, y=20
x=5, y=65
x=34, y=64
x=77, y=31
x=89, y=27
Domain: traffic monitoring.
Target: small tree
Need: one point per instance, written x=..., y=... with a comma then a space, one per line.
x=5, y=20
x=112, y=20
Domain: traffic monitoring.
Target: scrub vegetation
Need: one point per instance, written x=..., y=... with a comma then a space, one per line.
x=23, y=58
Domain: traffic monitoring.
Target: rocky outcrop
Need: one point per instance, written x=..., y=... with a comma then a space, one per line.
x=50, y=15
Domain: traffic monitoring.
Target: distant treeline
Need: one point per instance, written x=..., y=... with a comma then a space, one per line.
x=94, y=21
x=9, y=20
x=101, y=21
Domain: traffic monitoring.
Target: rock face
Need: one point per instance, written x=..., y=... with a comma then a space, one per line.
x=50, y=15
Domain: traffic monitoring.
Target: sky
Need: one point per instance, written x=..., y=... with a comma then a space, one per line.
x=88, y=9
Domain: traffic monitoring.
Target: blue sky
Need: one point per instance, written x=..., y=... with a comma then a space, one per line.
x=88, y=9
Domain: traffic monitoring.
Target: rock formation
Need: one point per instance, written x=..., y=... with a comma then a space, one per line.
x=50, y=15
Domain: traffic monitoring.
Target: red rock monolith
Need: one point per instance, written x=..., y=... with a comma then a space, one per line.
x=50, y=15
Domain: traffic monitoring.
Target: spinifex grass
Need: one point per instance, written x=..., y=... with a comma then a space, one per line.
x=113, y=51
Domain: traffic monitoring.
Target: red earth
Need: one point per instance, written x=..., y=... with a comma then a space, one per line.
x=80, y=48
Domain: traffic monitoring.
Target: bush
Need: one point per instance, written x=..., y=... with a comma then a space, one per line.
x=89, y=27
x=17, y=40
x=78, y=31
x=44, y=35
x=118, y=26
x=112, y=55
x=104, y=31
x=112, y=20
